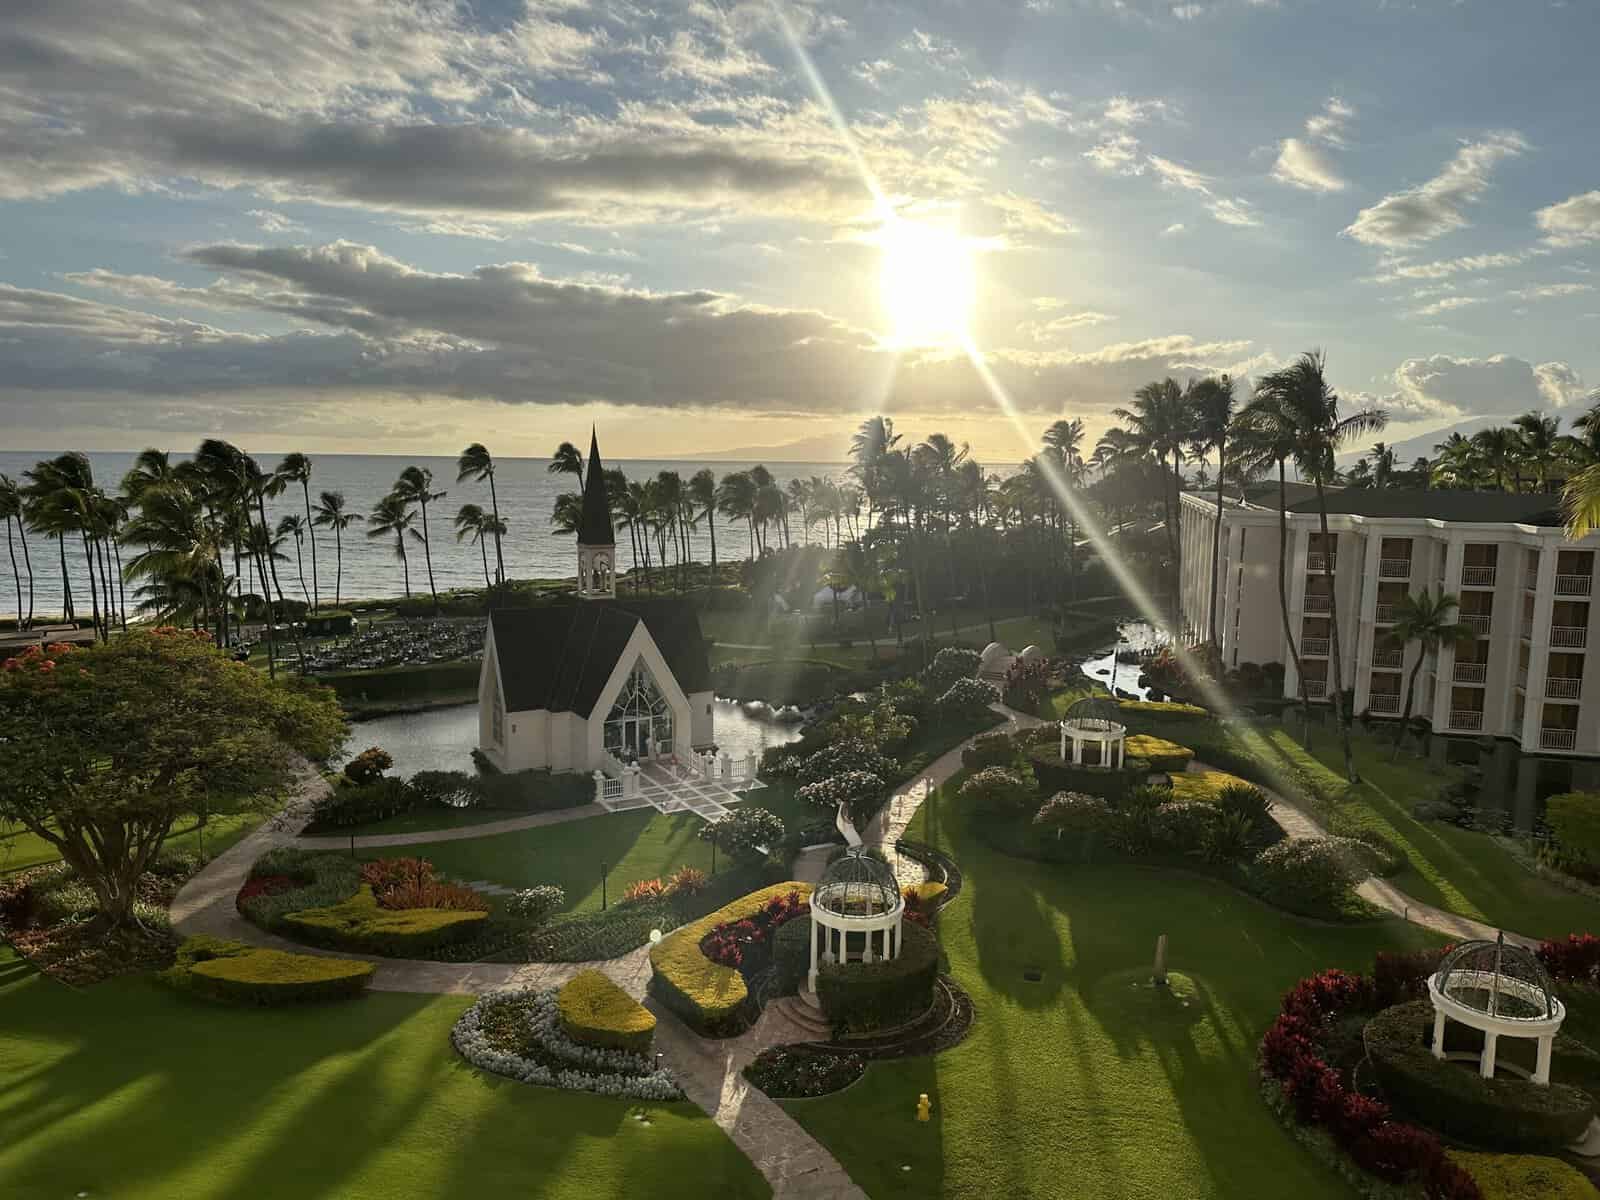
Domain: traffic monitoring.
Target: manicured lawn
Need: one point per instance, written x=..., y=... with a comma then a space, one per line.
x=126, y=1091
x=1083, y=1085
x=20, y=849
x=1452, y=868
x=429, y=819
x=633, y=845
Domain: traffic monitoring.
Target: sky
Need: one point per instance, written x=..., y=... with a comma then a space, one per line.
x=379, y=226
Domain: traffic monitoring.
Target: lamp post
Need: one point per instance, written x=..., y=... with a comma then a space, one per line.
x=602, y=885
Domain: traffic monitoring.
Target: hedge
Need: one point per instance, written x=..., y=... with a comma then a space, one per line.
x=238, y=973
x=860, y=997
x=705, y=994
x=1574, y=817
x=359, y=924
x=1204, y=787
x=791, y=955
x=1156, y=713
x=1055, y=774
x=596, y=1012
x=1504, y=1113
x=403, y=683
x=1161, y=754
x=1520, y=1176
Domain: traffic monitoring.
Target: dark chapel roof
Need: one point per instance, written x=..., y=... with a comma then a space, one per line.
x=559, y=657
x=594, y=523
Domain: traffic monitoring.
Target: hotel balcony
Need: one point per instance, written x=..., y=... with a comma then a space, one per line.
x=1314, y=647
x=1387, y=658
x=1317, y=561
x=1471, y=672
x=1477, y=577
x=1558, y=687
x=1394, y=568
x=1570, y=637
x=1574, y=585
x=1316, y=686
x=1527, y=629
x=1557, y=739
x=1466, y=718
x=1318, y=602
x=1530, y=579
x=1522, y=678
x=1385, y=614
x=1384, y=702
x=1477, y=622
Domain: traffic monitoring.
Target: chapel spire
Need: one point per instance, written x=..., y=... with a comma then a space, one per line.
x=597, y=542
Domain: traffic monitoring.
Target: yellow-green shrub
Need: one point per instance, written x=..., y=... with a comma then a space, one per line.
x=1161, y=754
x=1204, y=787
x=705, y=994
x=923, y=894
x=359, y=924
x=238, y=973
x=597, y=1012
x=1163, y=708
x=1521, y=1176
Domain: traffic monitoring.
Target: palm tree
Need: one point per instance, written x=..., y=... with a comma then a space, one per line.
x=703, y=494
x=415, y=486
x=296, y=468
x=1541, y=443
x=868, y=445
x=179, y=564
x=1459, y=463
x=1159, y=422
x=939, y=458
x=1383, y=465
x=1500, y=448
x=476, y=463
x=1301, y=391
x=1430, y=621
x=472, y=521
x=859, y=565
x=331, y=513
x=293, y=525
x=59, y=500
x=567, y=460
x=11, y=511
x=150, y=468
x=393, y=514
x=1589, y=424
x=1213, y=399
x=736, y=500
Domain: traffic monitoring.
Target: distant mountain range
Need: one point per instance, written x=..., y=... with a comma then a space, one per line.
x=824, y=448
x=1408, y=451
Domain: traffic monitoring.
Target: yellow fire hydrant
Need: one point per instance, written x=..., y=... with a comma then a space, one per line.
x=924, y=1105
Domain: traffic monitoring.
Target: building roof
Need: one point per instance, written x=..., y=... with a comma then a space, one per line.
x=1429, y=504
x=594, y=524
x=1265, y=493
x=558, y=657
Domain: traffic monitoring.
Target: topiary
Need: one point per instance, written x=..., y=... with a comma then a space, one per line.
x=949, y=665
x=368, y=765
x=965, y=700
x=999, y=791
x=596, y=1012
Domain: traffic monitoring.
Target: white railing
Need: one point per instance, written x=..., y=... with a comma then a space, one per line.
x=1316, y=686
x=1477, y=622
x=1318, y=602
x=1466, y=718
x=1316, y=647
x=1394, y=568
x=1471, y=672
x=606, y=789
x=612, y=765
x=1563, y=687
x=1384, y=702
x=1558, y=739
x=1477, y=576
x=1386, y=614
x=1316, y=561
x=1574, y=585
x=1573, y=637
x=1388, y=658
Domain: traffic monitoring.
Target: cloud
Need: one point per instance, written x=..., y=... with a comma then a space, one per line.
x=1443, y=386
x=1402, y=269
x=1448, y=304
x=274, y=222
x=1546, y=291
x=1117, y=153
x=1188, y=12
x=1173, y=230
x=1302, y=165
x=1329, y=124
x=1054, y=329
x=1434, y=208
x=1229, y=211
x=872, y=73
x=1027, y=215
x=1573, y=222
x=1121, y=110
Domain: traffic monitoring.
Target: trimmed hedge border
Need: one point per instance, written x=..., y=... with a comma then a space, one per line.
x=239, y=973
x=360, y=924
x=596, y=1012
x=862, y=998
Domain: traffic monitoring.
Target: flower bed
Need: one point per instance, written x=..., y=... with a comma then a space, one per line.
x=733, y=942
x=795, y=1073
x=518, y=1034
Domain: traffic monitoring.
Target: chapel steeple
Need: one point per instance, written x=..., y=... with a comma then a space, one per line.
x=597, y=542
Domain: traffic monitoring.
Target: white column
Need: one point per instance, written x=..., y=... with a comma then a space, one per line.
x=811, y=977
x=1233, y=542
x=1438, y=1033
x=1455, y=553
x=1364, y=631
x=1544, y=599
x=1486, y=1062
x=1541, y=1070
x=866, y=954
x=1077, y=749
x=1297, y=598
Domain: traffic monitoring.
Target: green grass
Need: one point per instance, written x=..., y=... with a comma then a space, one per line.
x=1084, y=1084
x=633, y=845
x=430, y=820
x=125, y=1090
x=1451, y=868
x=20, y=849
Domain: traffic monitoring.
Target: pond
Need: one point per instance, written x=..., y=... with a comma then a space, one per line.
x=442, y=739
x=1131, y=635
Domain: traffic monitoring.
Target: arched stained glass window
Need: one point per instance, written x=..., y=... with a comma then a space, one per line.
x=640, y=722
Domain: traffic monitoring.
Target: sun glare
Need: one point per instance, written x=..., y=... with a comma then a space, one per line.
x=927, y=283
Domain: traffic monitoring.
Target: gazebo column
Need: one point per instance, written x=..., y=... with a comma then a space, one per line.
x=1541, y=1069
x=811, y=979
x=1438, y=1033
x=866, y=953
x=1486, y=1062
x=1077, y=749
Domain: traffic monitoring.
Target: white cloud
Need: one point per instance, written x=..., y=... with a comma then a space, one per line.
x=1400, y=269
x=1546, y=291
x=1117, y=153
x=1573, y=222
x=1173, y=230
x=274, y=222
x=1027, y=215
x=940, y=50
x=1054, y=329
x=1188, y=12
x=1434, y=208
x=1302, y=165
x=1228, y=210
x=1448, y=304
x=1500, y=385
x=872, y=73
x=1123, y=110
x=1329, y=124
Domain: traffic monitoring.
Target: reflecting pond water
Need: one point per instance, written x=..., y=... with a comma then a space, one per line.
x=442, y=739
x=1131, y=635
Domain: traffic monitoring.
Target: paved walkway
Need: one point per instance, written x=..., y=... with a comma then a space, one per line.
x=373, y=841
x=1297, y=823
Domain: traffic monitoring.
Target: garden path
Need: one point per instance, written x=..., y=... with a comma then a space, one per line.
x=1297, y=823
x=373, y=841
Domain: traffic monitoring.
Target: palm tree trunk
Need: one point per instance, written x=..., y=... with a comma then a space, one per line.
x=483, y=552
x=300, y=569
x=338, y=566
x=27, y=562
x=427, y=554
x=499, y=557
x=94, y=594
x=272, y=635
x=266, y=530
x=311, y=532
x=711, y=523
x=122, y=584
x=1216, y=558
x=405, y=564
x=1333, y=641
x=15, y=574
x=1283, y=595
x=1411, y=690
x=66, y=581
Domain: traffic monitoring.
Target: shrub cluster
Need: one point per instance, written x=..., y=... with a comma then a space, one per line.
x=238, y=973
x=596, y=1012
x=369, y=765
x=1575, y=958
x=1161, y=754
x=860, y=792
x=384, y=796
x=358, y=923
x=745, y=831
x=1056, y=774
x=411, y=883
x=1074, y=812
x=964, y=700
x=860, y=997
x=1027, y=684
x=1523, y=1176
x=1304, y=875
x=989, y=750
x=732, y=943
x=1000, y=792
x=950, y=666
x=850, y=754
x=536, y=905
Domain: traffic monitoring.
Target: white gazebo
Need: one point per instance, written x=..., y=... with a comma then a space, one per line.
x=856, y=894
x=1499, y=989
x=1093, y=722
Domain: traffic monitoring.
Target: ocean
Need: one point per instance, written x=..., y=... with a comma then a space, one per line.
x=527, y=493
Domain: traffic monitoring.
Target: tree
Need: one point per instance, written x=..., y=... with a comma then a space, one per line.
x=11, y=513
x=473, y=522
x=702, y=493
x=178, y=565
x=1160, y=421
x=331, y=512
x=1213, y=419
x=107, y=746
x=293, y=525
x=393, y=515
x=476, y=463
x=736, y=500
x=415, y=486
x=1541, y=443
x=1430, y=621
x=567, y=460
x=296, y=468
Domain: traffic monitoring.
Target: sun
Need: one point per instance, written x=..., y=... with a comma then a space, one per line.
x=927, y=283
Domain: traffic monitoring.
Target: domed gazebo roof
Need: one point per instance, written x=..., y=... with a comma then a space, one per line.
x=857, y=885
x=1095, y=708
x=994, y=658
x=1031, y=654
x=1496, y=979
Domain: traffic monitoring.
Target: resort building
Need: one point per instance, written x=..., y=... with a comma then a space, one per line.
x=596, y=684
x=1526, y=592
